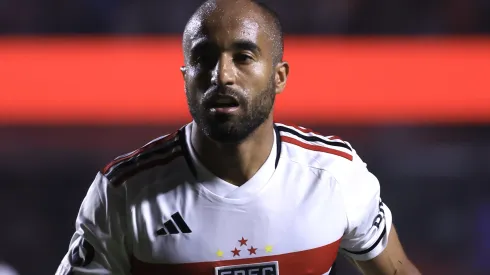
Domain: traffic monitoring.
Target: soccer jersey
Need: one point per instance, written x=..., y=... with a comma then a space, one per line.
x=158, y=210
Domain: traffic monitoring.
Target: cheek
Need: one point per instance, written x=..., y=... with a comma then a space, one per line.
x=191, y=82
x=256, y=77
x=196, y=80
x=191, y=72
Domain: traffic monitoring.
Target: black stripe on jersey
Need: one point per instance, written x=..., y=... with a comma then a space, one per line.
x=185, y=151
x=148, y=148
x=148, y=165
x=333, y=270
x=161, y=232
x=137, y=163
x=184, y=228
x=171, y=228
x=278, y=145
x=140, y=154
x=372, y=246
x=142, y=157
x=313, y=138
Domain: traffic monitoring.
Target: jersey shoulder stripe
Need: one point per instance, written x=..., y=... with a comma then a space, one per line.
x=310, y=140
x=157, y=152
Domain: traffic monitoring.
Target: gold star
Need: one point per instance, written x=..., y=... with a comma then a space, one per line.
x=268, y=248
x=219, y=253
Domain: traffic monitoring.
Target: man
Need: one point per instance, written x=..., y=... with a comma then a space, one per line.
x=233, y=192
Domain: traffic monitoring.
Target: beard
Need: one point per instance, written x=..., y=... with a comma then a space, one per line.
x=234, y=128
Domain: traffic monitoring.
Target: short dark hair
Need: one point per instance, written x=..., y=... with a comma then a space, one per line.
x=271, y=17
x=276, y=28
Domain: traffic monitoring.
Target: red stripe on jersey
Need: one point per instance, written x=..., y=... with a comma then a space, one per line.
x=335, y=137
x=304, y=130
x=138, y=151
x=313, y=261
x=316, y=147
x=308, y=130
x=157, y=162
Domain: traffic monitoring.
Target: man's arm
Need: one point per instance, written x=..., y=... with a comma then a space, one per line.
x=98, y=245
x=370, y=239
x=392, y=260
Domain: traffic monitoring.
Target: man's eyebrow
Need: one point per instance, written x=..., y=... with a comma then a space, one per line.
x=199, y=44
x=240, y=44
x=244, y=44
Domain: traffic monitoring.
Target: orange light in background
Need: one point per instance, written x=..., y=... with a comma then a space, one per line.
x=334, y=80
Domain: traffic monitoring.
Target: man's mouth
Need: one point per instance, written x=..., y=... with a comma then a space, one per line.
x=223, y=104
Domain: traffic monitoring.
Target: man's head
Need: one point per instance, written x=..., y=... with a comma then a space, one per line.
x=233, y=67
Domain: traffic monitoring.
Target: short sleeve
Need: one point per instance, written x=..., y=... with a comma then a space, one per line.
x=98, y=245
x=368, y=218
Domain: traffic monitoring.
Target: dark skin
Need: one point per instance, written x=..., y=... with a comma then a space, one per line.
x=229, y=50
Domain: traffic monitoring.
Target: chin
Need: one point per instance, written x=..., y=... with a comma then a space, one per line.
x=229, y=129
x=226, y=132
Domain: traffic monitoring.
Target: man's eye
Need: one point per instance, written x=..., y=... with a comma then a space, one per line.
x=204, y=60
x=243, y=58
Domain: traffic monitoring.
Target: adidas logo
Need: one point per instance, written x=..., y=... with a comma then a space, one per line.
x=173, y=226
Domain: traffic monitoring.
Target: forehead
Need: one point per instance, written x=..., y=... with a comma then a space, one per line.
x=223, y=27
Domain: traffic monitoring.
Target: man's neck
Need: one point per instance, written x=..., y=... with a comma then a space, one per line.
x=234, y=163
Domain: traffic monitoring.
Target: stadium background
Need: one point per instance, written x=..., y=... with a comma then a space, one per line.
x=404, y=81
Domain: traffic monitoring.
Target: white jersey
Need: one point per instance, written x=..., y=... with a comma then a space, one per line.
x=158, y=210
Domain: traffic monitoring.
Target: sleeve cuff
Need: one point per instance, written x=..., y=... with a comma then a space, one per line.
x=374, y=250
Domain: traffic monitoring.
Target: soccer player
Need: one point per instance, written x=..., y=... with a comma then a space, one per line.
x=232, y=192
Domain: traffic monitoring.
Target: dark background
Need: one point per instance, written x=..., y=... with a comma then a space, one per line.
x=352, y=17
x=434, y=177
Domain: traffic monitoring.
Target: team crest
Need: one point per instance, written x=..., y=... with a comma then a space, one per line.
x=267, y=268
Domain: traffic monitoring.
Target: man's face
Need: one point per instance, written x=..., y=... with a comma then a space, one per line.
x=229, y=74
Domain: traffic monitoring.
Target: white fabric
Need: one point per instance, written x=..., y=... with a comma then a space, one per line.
x=313, y=200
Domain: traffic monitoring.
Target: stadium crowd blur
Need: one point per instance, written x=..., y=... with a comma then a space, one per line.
x=302, y=17
x=434, y=177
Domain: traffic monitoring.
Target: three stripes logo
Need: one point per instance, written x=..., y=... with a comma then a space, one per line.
x=173, y=226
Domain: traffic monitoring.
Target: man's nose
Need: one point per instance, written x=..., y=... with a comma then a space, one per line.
x=224, y=72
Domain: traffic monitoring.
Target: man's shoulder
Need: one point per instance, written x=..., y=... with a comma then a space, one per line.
x=329, y=154
x=159, y=152
x=307, y=145
x=310, y=148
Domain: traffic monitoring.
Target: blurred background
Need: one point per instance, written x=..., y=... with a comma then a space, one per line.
x=60, y=123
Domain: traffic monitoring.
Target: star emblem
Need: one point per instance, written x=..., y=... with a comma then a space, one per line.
x=236, y=252
x=219, y=253
x=268, y=248
x=243, y=242
x=252, y=250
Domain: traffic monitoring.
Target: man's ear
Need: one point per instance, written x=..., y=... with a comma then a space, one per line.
x=183, y=70
x=282, y=72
